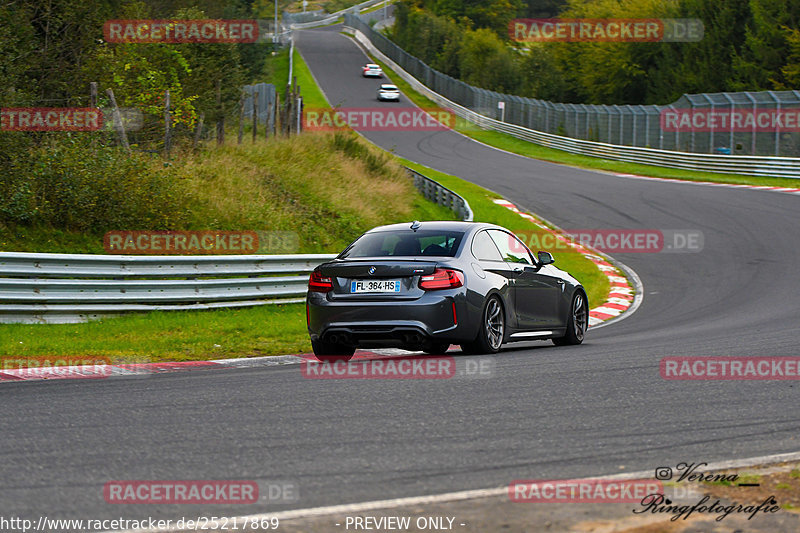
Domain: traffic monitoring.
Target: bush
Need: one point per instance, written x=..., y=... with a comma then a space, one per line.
x=70, y=184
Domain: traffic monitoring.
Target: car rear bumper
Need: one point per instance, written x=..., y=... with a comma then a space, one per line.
x=398, y=323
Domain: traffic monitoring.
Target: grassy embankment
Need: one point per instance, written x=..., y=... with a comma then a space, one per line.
x=328, y=188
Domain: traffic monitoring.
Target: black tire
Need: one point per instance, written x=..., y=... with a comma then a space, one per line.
x=436, y=348
x=492, y=329
x=327, y=352
x=577, y=321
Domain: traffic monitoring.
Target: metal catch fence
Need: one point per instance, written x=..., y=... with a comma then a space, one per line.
x=743, y=123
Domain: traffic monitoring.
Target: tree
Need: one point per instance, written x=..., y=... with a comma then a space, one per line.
x=766, y=48
x=487, y=62
x=544, y=8
x=791, y=70
x=542, y=77
x=611, y=72
x=432, y=38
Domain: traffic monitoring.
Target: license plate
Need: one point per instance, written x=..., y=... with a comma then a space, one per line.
x=375, y=285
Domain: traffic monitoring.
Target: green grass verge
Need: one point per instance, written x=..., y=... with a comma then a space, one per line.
x=164, y=336
x=312, y=95
x=535, y=151
x=280, y=69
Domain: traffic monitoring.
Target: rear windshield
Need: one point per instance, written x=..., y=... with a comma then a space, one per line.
x=405, y=243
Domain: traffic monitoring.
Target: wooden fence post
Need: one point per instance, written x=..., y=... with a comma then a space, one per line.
x=241, y=118
x=220, y=115
x=118, y=121
x=255, y=114
x=299, y=110
x=167, y=123
x=267, y=118
x=198, y=130
x=93, y=102
x=276, y=114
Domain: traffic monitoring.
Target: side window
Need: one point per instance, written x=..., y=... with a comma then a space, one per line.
x=484, y=249
x=510, y=247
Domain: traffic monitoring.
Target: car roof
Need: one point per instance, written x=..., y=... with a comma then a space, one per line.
x=438, y=225
x=373, y=65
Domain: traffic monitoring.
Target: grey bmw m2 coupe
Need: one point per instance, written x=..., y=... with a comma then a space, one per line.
x=427, y=285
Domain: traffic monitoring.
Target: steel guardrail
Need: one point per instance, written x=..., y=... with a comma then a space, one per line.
x=438, y=193
x=67, y=288
x=59, y=288
x=333, y=17
x=767, y=166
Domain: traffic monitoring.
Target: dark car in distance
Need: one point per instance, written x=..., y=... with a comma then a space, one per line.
x=427, y=285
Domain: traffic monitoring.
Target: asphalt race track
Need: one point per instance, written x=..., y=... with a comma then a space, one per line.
x=547, y=412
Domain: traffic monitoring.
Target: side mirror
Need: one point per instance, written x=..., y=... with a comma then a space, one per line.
x=545, y=258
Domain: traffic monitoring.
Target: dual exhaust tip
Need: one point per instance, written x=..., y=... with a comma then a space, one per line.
x=345, y=339
x=340, y=338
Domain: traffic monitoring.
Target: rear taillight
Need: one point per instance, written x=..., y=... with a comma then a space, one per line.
x=318, y=283
x=442, y=278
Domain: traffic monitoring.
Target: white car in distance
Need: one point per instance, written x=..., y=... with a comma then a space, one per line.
x=388, y=92
x=371, y=70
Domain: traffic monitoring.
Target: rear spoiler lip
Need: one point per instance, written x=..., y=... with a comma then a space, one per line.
x=426, y=265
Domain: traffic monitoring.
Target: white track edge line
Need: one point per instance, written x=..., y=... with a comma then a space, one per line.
x=314, y=512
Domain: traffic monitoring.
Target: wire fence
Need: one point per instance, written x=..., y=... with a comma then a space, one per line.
x=309, y=19
x=304, y=17
x=742, y=123
x=265, y=103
